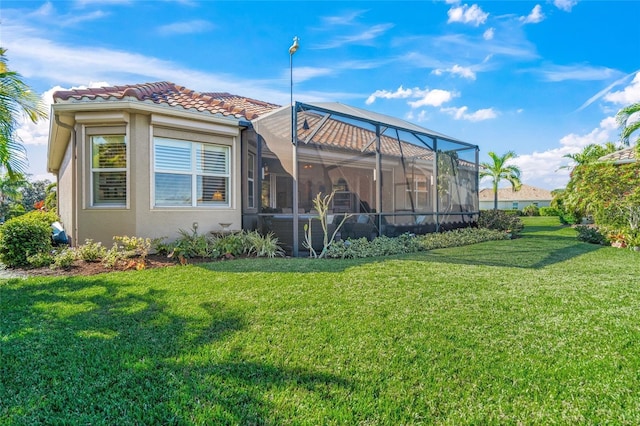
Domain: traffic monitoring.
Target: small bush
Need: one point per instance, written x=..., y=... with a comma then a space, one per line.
x=233, y=244
x=191, y=244
x=264, y=245
x=133, y=246
x=64, y=259
x=409, y=243
x=591, y=234
x=549, y=211
x=512, y=212
x=113, y=256
x=25, y=236
x=91, y=251
x=531, y=210
x=500, y=221
x=40, y=260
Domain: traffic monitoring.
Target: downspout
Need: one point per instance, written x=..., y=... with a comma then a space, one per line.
x=74, y=181
x=378, y=178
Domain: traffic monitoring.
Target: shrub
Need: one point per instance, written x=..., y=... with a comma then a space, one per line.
x=531, y=210
x=591, y=234
x=91, y=251
x=460, y=237
x=512, y=212
x=233, y=244
x=64, y=259
x=113, y=256
x=500, y=221
x=40, y=260
x=133, y=246
x=264, y=245
x=25, y=236
x=568, y=218
x=408, y=243
x=549, y=211
x=192, y=244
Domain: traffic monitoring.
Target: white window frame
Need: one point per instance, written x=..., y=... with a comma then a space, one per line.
x=193, y=173
x=93, y=170
x=251, y=180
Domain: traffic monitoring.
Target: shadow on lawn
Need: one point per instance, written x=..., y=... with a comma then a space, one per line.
x=103, y=352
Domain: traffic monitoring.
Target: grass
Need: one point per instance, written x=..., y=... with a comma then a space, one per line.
x=542, y=329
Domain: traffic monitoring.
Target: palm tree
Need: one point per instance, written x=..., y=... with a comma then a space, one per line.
x=629, y=127
x=590, y=153
x=16, y=100
x=499, y=170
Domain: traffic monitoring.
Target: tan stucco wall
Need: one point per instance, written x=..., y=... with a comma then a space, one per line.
x=139, y=218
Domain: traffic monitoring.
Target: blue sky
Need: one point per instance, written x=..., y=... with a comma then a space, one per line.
x=543, y=79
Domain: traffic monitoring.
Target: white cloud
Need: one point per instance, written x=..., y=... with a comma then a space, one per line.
x=565, y=5
x=544, y=168
x=400, y=93
x=629, y=95
x=489, y=34
x=535, y=16
x=467, y=15
x=578, y=72
x=435, y=98
x=365, y=37
x=187, y=27
x=306, y=73
x=458, y=70
x=462, y=114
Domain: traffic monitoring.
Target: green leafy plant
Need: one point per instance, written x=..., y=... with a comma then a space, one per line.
x=264, y=245
x=549, y=211
x=531, y=210
x=231, y=245
x=500, y=221
x=191, y=244
x=63, y=259
x=133, y=246
x=91, y=251
x=40, y=260
x=25, y=236
x=322, y=204
x=113, y=256
x=591, y=234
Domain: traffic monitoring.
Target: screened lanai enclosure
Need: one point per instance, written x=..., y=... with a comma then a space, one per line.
x=388, y=176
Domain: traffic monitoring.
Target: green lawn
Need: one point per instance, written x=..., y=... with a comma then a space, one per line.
x=541, y=329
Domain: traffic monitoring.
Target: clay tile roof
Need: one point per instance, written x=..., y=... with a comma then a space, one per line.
x=170, y=94
x=526, y=193
x=627, y=155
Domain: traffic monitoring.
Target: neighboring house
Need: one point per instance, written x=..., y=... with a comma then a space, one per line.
x=152, y=159
x=624, y=156
x=509, y=199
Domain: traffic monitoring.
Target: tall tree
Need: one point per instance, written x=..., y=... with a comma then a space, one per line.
x=590, y=154
x=16, y=100
x=499, y=170
x=629, y=121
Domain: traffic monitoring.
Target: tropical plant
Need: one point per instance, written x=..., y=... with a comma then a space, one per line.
x=16, y=100
x=499, y=170
x=628, y=119
x=322, y=204
x=9, y=192
x=590, y=154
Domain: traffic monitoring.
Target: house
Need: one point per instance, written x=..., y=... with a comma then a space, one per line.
x=152, y=159
x=509, y=199
x=623, y=156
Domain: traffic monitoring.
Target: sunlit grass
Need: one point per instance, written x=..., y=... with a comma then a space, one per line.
x=541, y=329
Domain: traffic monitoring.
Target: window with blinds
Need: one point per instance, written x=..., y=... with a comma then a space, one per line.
x=190, y=174
x=108, y=170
